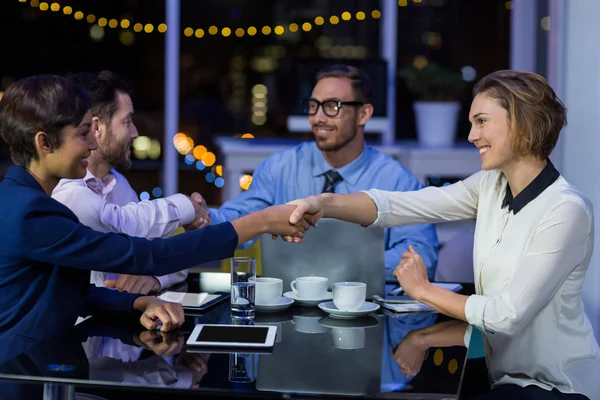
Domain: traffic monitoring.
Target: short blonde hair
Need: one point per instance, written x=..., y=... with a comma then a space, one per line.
x=536, y=115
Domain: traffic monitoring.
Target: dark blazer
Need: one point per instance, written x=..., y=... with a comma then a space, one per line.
x=46, y=256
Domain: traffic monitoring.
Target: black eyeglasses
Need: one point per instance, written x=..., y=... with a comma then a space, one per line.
x=331, y=108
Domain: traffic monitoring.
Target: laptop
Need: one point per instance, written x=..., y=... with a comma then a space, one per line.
x=338, y=250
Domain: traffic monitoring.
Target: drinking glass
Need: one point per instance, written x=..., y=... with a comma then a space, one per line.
x=243, y=285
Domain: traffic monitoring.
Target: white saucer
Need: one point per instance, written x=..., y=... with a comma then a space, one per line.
x=334, y=312
x=307, y=302
x=282, y=304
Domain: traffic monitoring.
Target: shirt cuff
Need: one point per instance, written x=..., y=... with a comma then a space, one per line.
x=475, y=310
x=185, y=207
x=381, y=203
x=169, y=280
x=163, y=281
x=216, y=216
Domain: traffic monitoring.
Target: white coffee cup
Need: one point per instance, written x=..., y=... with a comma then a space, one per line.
x=268, y=290
x=349, y=296
x=310, y=287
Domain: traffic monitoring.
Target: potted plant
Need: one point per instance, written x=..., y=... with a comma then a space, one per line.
x=438, y=91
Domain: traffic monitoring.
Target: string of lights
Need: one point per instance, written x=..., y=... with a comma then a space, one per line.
x=145, y=147
x=198, y=155
x=199, y=33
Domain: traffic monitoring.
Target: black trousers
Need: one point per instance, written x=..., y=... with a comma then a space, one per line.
x=532, y=392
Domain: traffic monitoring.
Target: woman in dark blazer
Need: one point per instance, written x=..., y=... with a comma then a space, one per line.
x=45, y=253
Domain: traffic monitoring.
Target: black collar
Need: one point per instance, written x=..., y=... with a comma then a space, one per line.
x=546, y=178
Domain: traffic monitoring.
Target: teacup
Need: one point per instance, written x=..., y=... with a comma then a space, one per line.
x=268, y=290
x=310, y=287
x=349, y=296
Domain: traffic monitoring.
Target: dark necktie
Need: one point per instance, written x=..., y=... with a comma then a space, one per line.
x=331, y=178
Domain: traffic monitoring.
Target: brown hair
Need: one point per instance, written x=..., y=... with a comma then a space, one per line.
x=361, y=84
x=103, y=88
x=536, y=115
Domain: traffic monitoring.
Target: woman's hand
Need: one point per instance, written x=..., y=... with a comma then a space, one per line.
x=159, y=313
x=304, y=211
x=278, y=223
x=311, y=207
x=412, y=274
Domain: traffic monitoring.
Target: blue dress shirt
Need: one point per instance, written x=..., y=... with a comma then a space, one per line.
x=298, y=172
x=46, y=256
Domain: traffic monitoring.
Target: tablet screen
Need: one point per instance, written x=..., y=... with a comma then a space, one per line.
x=212, y=335
x=232, y=334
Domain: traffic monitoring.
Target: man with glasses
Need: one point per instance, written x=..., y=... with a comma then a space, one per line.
x=337, y=161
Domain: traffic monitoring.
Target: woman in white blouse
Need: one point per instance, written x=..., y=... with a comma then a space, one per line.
x=532, y=247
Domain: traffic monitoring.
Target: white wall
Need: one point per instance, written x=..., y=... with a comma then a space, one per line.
x=579, y=77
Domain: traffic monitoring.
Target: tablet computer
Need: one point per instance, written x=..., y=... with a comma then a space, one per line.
x=194, y=301
x=232, y=336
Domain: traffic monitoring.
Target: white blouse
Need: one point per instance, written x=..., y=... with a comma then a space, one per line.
x=529, y=270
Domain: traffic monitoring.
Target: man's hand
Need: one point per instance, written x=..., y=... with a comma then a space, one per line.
x=159, y=313
x=134, y=284
x=202, y=214
x=161, y=343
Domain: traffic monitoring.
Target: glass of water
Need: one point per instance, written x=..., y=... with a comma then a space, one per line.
x=243, y=281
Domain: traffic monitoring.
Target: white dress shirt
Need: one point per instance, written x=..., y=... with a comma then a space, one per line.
x=529, y=269
x=111, y=205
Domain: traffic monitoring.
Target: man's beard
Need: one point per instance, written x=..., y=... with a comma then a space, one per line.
x=337, y=146
x=115, y=153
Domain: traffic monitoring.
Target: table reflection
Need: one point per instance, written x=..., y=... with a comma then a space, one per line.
x=313, y=354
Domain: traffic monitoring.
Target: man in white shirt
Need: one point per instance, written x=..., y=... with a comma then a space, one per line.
x=106, y=202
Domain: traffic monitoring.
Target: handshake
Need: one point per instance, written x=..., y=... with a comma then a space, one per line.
x=290, y=221
x=201, y=213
